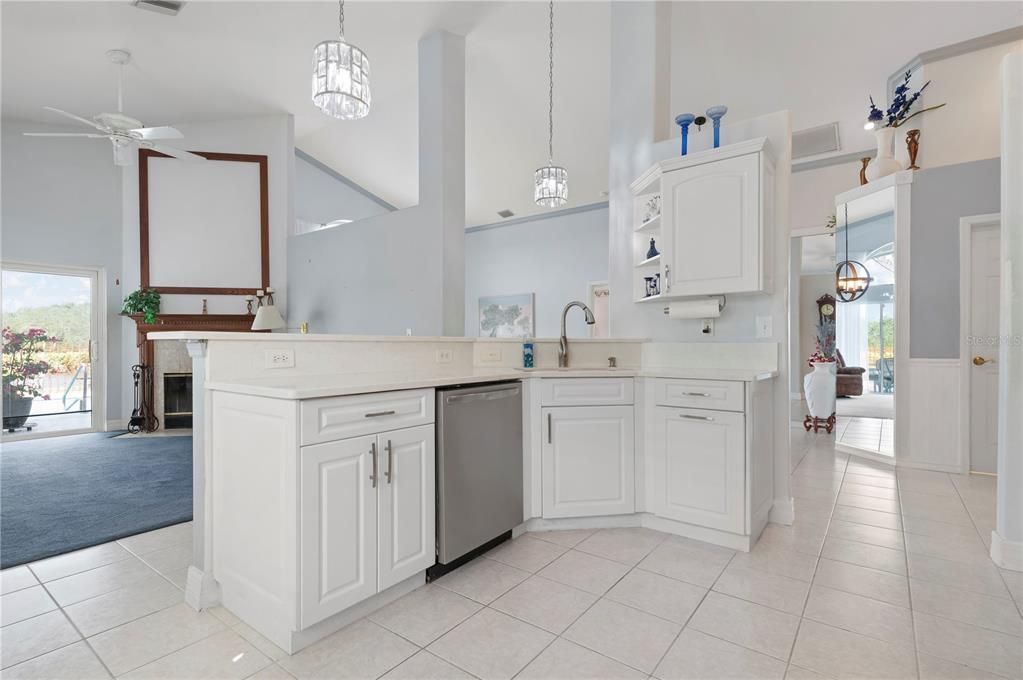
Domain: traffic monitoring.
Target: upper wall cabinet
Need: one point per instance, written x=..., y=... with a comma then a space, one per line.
x=709, y=214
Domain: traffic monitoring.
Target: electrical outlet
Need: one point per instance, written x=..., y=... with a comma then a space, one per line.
x=490, y=355
x=408, y=331
x=443, y=356
x=764, y=329
x=279, y=358
x=708, y=327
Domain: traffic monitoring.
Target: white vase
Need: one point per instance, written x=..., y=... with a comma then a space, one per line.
x=819, y=387
x=884, y=163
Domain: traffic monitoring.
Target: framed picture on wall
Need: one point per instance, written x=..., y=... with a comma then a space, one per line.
x=507, y=316
x=204, y=228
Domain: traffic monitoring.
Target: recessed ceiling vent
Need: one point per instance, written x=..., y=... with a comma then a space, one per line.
x=505, y=213
x=815, y=141
x=170, y=7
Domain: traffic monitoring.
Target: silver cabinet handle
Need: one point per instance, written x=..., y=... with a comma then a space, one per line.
x=380, y=413
x=390, y=463
x=550, y=434
x=696, y=394
x=373, y=452
x=667, y=278
x=686, y=415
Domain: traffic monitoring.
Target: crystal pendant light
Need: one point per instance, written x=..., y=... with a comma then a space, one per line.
x=341, y=76
x=550, y=182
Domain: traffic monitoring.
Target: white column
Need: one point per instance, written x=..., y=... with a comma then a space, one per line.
x=1007, y=538
x=201, y=590
x=442, y=166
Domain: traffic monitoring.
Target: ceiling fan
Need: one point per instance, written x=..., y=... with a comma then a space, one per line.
x=125, y=133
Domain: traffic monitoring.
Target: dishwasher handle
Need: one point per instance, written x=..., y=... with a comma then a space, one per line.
x=481, y=396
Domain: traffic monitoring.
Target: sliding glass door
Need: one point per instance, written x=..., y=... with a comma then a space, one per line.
x=50, y=323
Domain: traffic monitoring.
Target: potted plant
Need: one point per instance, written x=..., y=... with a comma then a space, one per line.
x=819, y=385
x=144, y=301
x=21, y=371
x=884, y=124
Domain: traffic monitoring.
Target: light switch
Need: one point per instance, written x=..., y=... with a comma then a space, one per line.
x=764, y=327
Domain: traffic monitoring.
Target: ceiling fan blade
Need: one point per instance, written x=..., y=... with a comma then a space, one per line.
x=64, y=134
x=72, y=116
x=162, y=132
x=176, y=153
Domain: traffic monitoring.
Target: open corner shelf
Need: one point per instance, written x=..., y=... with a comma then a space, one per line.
x=653, y=224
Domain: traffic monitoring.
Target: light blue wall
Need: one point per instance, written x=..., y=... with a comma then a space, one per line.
x=555, y=257
x=322, y=195
x=939, y=197
x=62, y=206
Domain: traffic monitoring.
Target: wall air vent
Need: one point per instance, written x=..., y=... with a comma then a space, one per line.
x=505, y=213
x=170, y=7
x=815, y=141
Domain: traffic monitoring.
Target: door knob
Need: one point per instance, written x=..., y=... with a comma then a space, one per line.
x=980, y=361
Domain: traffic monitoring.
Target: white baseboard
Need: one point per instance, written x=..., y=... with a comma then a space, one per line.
x=783, y=511
x=201, y=589
x=935, y=467
x=1005, y=553
x=113, y=425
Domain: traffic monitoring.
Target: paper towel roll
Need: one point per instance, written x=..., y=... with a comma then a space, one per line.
x=694, y=309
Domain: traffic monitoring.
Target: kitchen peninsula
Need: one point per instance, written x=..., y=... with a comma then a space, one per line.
x=314, y=470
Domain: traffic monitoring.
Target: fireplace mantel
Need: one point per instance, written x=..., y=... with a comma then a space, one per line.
x=240, y=323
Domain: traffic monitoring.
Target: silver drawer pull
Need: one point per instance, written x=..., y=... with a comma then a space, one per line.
x=686, y=415
x=696, y=394
x=380, y=413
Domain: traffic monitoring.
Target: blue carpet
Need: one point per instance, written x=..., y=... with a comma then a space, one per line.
x=65, y=493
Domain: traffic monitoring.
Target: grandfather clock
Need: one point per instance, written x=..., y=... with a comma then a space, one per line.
x=826, y=308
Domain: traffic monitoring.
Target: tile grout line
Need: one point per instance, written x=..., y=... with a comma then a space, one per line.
x=909, y=582
x=816, y=566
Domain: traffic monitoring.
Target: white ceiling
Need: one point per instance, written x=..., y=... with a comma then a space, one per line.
x=221, y=60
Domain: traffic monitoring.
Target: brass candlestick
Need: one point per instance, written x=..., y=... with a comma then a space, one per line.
x=913, y=146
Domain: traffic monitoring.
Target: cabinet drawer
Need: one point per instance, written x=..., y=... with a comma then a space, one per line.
x=325, y=420
x=585, y=391
x=719, y=395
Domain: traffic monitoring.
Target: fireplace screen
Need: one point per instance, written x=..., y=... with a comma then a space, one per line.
x=177, y=400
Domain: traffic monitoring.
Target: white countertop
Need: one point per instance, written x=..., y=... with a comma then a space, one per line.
x=335, y=385
x=326, y=337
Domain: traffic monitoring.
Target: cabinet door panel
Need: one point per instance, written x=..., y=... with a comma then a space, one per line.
x=588, y=461
x=700, y=467
x=338, y=527
x=713, y=213
x=406, y=504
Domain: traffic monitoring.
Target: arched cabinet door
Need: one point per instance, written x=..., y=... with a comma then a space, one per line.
x=713, y=218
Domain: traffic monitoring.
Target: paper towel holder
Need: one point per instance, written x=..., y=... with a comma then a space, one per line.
x=721, y=303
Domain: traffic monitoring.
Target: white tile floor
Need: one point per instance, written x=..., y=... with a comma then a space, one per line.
x=876, y=435
x=883, y=575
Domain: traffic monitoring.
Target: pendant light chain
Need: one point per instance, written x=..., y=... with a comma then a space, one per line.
x=550, y=93
x=341, y=19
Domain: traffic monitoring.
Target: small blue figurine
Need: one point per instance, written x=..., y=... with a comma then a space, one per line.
x=715, y=113
x=684, y=120
x=652, y=252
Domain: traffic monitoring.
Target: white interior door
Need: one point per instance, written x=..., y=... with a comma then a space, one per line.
x=983, y=344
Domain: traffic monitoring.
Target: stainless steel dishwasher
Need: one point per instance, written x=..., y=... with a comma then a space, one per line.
x=479, y=470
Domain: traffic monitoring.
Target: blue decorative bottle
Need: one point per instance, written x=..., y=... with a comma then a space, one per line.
x=652, y=252
x=527, y=355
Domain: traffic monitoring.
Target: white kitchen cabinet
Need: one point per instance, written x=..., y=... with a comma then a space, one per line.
x=339, y=527
x=588, y=460
x=713, y=232
x=406, y=510
x=368, y=517
x=699, y=467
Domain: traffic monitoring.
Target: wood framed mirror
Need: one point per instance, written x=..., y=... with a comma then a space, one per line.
x=204, y=228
